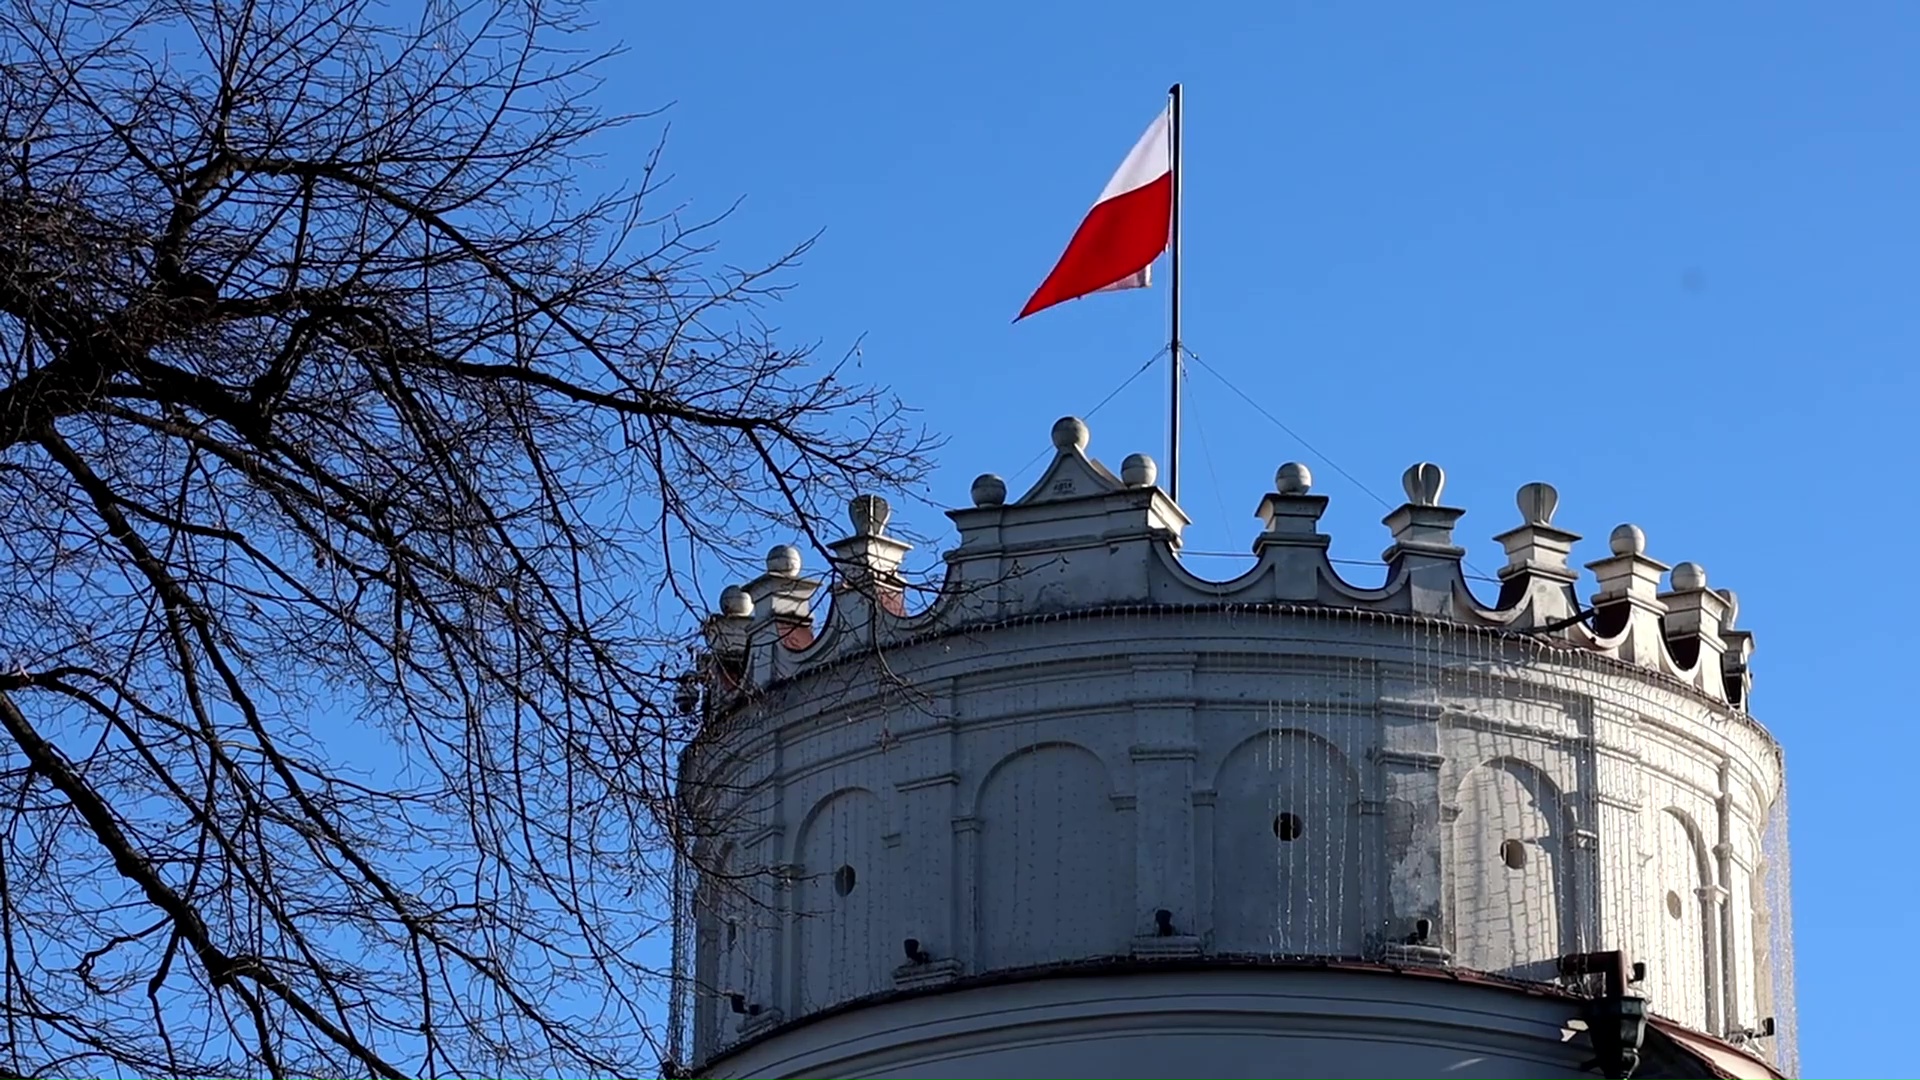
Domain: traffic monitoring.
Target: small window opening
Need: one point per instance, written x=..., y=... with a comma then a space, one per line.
x=1674, y=906
x=1288, y=827
x=844, y=880
x=733, y=933
x=1514, y=854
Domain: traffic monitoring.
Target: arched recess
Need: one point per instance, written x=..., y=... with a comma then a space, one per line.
x=1678, y=970
x=843, y=942
x=1287, y=856
x=1055, y=874
x=1507, y=868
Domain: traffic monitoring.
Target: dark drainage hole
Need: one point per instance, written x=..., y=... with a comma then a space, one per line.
x=1288, y=827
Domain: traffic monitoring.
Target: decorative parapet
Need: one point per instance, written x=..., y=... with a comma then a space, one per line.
x=1085, y=538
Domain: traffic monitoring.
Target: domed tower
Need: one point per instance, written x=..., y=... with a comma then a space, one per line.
x=1091, y=815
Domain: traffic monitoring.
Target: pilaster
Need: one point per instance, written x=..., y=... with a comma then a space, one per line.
x=1162, y=756
x=1408, y=763
x=930, y=865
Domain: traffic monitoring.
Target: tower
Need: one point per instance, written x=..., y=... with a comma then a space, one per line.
x=1089, y=814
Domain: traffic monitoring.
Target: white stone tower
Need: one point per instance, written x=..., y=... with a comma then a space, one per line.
x=1090, y=815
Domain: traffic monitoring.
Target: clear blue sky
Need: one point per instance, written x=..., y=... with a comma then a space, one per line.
x=1663, y=258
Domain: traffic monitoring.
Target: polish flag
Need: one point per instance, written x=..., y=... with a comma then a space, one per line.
x=1126, y=230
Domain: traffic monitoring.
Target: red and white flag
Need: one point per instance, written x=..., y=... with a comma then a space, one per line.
x=1126, y=230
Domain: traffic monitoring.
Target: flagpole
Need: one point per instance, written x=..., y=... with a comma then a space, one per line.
x=1173, y=274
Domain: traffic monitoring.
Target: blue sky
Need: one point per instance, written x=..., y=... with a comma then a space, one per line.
x=1662, y=257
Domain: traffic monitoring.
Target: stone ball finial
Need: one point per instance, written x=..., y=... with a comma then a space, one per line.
x=989, y=490
x=1070, y=433
x=736, y=602
x=1423, y=483
x=869, y=515
x=1293, y=478
x=1537, y=502
x=1139, y=471
x=784, y=561
x=1627, y=540
x=1689, y=576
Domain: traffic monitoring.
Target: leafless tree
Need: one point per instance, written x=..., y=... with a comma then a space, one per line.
x=357, y=462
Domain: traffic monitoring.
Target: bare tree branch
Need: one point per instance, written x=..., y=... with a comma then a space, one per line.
x=359, y=464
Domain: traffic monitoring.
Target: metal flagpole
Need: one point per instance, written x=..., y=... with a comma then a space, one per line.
x=1173, y=273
